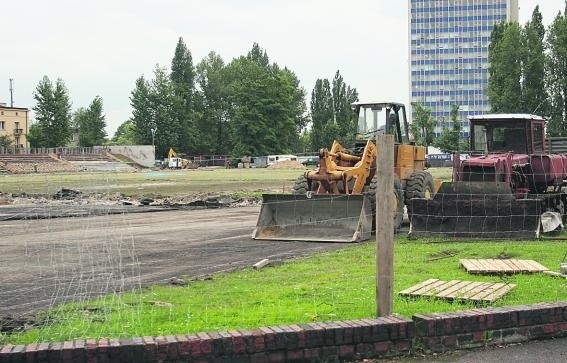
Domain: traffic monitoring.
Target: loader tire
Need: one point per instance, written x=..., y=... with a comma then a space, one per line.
x=301, y=186
x=419, y=185
x=398, y=199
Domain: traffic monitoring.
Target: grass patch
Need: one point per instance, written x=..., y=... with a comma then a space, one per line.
x=445, y=174
x=328, y=286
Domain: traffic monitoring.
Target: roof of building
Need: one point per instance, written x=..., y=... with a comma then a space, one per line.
x=13, y=108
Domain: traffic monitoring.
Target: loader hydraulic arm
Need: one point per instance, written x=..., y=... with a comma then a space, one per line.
x=340, y=172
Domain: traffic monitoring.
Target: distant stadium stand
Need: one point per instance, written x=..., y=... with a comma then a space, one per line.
x=61, y=160
x=35, y=163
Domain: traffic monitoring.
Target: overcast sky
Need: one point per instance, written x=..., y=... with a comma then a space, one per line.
x=101, y=47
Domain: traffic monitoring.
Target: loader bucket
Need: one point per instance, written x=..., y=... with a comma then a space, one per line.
x=476, y=210
x=318, y=218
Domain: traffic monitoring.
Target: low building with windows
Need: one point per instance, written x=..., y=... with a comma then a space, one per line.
x=14, y=123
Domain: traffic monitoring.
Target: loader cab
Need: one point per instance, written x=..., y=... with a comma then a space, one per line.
x=379, y=119
x=501, y=133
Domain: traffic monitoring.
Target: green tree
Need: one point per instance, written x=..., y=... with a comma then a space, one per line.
x=450, y=139
x=557, y=74
x=249, y=129
x=61, y=126
x=183, y=78
x=322, y=117
x=343, y=97
x=296, y=109
x=265, y=114
x=305, y=141
x=258, y=56
x=125, y=134
x=496, y=79
x=164, y=111
x=423, y=125
x=36, y=136
x=331, y=114
x=5, y=141
x=91, y=123
x=53, y=113
x=213, y=123
x=505, y=69
x=534, y=92
x=142, y=112
x=44, y=114
x=155, y=106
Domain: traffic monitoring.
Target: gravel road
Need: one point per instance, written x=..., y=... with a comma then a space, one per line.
x=44, y=262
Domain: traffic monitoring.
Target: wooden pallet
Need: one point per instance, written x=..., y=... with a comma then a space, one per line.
x=459, y=290
x=493, y=266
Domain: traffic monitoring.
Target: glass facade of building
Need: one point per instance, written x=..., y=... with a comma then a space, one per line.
x=449, y=54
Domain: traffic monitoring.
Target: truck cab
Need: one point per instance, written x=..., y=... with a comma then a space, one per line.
x=502, y=133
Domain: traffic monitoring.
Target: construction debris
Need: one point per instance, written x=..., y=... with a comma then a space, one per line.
x=177, y=281
x=260, y=264
x=66, y=193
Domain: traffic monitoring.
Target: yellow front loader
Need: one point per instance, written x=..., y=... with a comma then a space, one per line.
x=337, y=201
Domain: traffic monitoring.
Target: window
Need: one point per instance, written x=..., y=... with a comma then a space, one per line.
x=507, y=138
x=2, y=126
x=538, y=138
x=479, y=142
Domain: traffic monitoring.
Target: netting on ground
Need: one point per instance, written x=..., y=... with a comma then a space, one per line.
x=104, y=264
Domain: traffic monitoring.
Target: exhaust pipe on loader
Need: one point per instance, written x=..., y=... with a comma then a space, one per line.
x=314, y=217
x=476, y=210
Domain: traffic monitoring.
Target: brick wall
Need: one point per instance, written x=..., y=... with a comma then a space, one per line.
x=491, y=326
x=329, y=342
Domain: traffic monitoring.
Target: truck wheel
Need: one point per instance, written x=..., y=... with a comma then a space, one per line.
x=419, y=185
x=397, y=201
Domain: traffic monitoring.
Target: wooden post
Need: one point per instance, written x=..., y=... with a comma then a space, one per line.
x=384, y=225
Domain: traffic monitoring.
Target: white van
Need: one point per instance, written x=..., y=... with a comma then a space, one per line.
x=272, y=159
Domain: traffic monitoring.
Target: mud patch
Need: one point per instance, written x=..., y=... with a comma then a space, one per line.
x=505, y=256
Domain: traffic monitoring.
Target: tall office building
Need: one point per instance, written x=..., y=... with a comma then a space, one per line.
x=449, y=54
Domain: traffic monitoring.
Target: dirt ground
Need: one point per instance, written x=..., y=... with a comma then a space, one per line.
x=44, y=262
